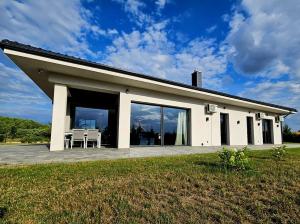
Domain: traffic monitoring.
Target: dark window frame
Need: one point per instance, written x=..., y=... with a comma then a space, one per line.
x=227, y=128
x=188, y=110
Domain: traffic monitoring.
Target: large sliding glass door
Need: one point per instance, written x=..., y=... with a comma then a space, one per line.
x=158, y=125
x=145, y=124
x=175, y=126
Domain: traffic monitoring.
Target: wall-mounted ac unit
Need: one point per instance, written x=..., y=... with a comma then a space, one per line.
x=260, y=116
x=279, y=119
x=211, y=108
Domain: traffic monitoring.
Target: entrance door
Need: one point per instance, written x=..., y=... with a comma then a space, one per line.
x=267, y=131
x=224, y=129
x=250, y=130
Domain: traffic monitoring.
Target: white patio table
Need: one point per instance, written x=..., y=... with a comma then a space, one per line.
x=70, y=133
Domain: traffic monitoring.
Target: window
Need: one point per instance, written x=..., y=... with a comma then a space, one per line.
x=90, y=118
x=158, y=125
x=175, y=126
x=94, y=118
x=95, y=110
x=145, y=124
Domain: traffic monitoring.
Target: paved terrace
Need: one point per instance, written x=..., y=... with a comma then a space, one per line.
x=33, y=154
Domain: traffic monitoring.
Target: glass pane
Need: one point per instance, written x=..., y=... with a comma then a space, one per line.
x=175, y=126
x=145, y=124
x=93, y=118
x=89, y=118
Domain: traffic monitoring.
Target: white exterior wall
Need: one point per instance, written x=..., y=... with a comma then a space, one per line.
x=124, y=121
x=58, y=117
x=203, y=132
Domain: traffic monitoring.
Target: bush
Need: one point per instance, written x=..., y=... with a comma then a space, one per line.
x=2, y=137
x=234, y=159
x=279, y=152
x=26, y=130
x=289, y=136
x=33, y=135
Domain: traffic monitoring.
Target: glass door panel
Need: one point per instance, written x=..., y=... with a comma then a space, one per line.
x=145, y=124
x=175, y=126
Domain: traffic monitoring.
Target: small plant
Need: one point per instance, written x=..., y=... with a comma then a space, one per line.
x=234, y=158
x=279, y=152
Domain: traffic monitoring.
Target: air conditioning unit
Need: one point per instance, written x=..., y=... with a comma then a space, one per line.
x=211, y=108
x=279, y=119
x=260, y=116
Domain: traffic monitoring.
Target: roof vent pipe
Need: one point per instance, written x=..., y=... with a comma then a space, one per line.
x=197, y=79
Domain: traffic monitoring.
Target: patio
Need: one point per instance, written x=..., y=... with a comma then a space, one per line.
x=33, y=154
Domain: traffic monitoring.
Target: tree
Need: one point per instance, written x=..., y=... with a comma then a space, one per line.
x=286, y=130
x=13, y=131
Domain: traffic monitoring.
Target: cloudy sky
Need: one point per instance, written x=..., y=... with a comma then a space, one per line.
x=249, y=48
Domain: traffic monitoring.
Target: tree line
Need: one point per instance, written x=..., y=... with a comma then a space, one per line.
x=289, y=136
x=23, y=130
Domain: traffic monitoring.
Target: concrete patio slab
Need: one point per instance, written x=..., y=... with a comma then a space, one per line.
x=34, y=154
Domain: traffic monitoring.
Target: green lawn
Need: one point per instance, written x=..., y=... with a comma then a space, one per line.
x=179, y=189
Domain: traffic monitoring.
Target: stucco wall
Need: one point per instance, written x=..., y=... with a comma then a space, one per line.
x=205, y=128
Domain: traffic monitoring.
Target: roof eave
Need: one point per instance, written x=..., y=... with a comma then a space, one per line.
x=43, y=53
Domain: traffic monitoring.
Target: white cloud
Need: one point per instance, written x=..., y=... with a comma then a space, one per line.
x=161, y=4
x=20, y=97
x=19, y=88
x=152, y=52
x=57, y=25
x=280, y=92
x=135, y=10
x=211, y=29
x=265, y=37
x=264, y=44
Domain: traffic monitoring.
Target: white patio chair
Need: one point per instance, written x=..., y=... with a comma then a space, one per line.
x=92, y=136
x=78, y=136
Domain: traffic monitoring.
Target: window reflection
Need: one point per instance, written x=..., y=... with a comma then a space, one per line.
x=95, y=118
x=149, y=123
x=175, y=126
x=145, y=124
x=90, y=118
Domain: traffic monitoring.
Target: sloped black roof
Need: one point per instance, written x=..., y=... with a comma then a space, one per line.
x=7, y=44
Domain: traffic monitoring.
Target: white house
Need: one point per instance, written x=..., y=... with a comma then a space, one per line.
x=132, y=109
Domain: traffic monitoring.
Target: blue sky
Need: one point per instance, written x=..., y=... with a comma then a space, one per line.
x=247, y=48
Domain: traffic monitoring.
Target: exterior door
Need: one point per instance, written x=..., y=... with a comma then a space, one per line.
x=224, y=124
x=250, y=135
x=267, y=131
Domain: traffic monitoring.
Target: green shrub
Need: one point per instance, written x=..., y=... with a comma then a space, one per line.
x=2, y=137
x=279, y=152
x=234, y=158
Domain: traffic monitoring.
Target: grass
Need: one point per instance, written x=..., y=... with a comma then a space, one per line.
x=179, y=189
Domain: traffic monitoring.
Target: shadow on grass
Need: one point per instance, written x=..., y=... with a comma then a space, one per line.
x=258, y=157
x=211, y=166
x=3, y=212
x=215, y=167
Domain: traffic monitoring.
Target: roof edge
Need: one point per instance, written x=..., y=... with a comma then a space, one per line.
x=12, y=45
